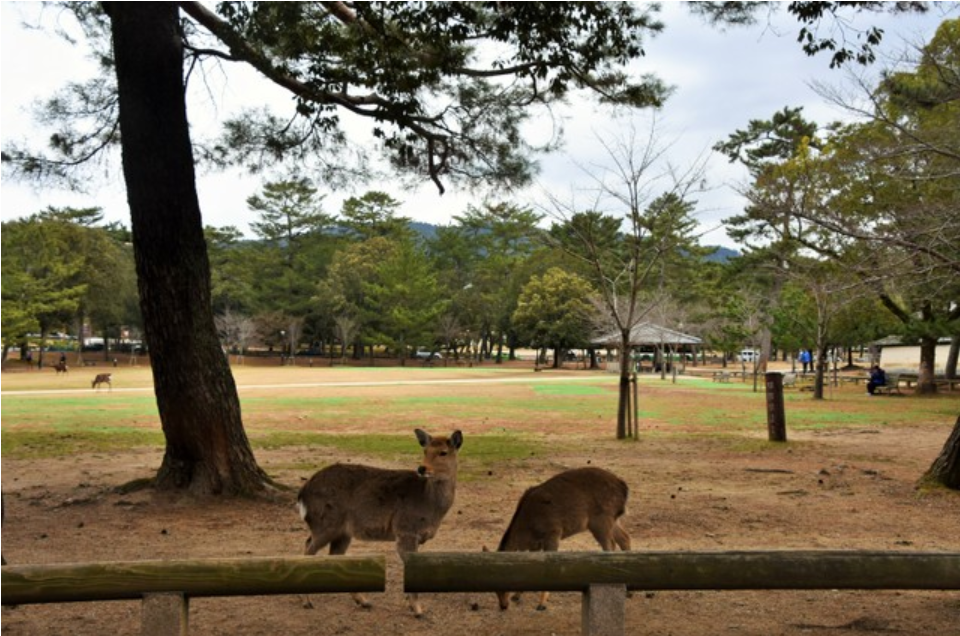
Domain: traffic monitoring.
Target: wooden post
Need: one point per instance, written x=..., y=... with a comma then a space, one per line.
x=776, y=417
x=164, y=614
x=603, y=610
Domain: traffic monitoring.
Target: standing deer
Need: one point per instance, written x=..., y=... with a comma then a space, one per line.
x=567, y=504
x=344, y=501
x=103, y=378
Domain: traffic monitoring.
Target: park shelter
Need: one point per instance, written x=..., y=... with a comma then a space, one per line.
x=896, y=355
x=650, y=342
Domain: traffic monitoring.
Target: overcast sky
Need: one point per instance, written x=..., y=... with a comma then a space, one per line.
x=722, y=80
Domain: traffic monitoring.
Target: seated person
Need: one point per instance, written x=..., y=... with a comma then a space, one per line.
x=878, y=377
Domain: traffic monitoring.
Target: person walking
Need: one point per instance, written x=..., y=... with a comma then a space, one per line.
x=805, y=360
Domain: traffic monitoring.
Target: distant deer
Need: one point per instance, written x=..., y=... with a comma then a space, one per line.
x=567, y=504
x=344, y=501
x=61, y=367
x=103, y=378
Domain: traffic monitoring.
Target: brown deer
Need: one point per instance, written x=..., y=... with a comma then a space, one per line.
x=567, y=504
x=103, y=378
x=344, y=501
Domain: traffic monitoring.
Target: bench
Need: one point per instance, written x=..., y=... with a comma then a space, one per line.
x=794, y=381
x=721, y=376
x=89, y=363
x=854, y=379
x=892, y=386
x=949, y=383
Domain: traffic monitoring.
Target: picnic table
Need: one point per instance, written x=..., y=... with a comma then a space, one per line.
x=892, y=386
x=802, y=382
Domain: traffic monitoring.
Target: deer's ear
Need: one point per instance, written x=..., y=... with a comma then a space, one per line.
x=422, y=437
x=456, y=439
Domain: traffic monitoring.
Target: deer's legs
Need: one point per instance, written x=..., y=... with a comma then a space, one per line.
x=550, y=544
x=542, y=605
x=405, y=545
x=312, y=546
x=605, y=532
x=339, y=546
x=620, y=536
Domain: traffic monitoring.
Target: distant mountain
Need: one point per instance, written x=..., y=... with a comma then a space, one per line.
x=427, y=230
x=722, y=255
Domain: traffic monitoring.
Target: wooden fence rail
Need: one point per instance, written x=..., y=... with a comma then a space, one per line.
x=604, y=578
x=167, y=586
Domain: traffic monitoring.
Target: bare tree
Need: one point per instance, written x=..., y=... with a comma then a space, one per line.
x=294, y=332
x=347, y=328
x=236, y=331
x=616, y=238
x=450, y=331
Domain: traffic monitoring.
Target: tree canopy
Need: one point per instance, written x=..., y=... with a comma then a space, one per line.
x=444, y=90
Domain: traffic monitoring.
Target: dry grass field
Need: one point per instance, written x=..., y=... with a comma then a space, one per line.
x=702, y=477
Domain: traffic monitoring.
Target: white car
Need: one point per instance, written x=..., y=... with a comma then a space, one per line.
x=749, y=355
x=427, y=355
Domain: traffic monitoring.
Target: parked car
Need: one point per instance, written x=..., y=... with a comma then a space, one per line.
x=427, y=355
x=748, y=355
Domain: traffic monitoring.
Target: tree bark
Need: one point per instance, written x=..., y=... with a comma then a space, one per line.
x=945, y=469
x=207, y=450
x=928, y=355
x=623, y=403
x=952, y=357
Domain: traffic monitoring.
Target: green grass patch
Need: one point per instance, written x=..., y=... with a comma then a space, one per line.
x=754, y=446
x=821, y=420
x=483, y=448
x=36, y=444
x=296, y=403
x=571, y=388
x=68, y=413
x=478, y=453
x=378, y=423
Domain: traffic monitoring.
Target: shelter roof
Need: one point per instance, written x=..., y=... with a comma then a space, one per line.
x=648, y=333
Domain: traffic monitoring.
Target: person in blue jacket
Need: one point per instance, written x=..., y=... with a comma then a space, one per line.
x=878, y=377
x=805, y=359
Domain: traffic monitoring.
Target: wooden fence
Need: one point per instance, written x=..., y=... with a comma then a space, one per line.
x=602, y=578
x=167, y=586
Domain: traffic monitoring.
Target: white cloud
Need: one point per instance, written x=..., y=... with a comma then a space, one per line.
x=722, y=80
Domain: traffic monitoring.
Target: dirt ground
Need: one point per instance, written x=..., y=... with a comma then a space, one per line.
x=848, y=489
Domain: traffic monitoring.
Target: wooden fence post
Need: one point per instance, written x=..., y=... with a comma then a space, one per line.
x=776, y=417
x=164, y=614
x=603, y=610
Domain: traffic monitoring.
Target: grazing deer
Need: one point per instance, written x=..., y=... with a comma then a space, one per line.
x=61, y=367
x=567, y=504
x=103, y=378
x=344, y=501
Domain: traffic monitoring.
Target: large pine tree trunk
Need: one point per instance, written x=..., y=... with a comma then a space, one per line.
x=952, y=357
x=945, y=470
x=207, y=451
